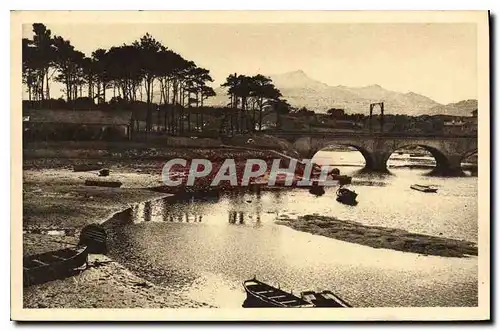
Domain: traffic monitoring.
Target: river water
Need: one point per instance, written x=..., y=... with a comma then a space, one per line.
x=206, y=249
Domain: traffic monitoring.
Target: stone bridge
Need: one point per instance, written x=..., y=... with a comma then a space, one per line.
x=449, y=151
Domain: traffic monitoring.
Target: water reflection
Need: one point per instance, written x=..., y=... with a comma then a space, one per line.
x=244, y=208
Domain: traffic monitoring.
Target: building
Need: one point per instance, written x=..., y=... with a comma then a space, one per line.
x=51, y=124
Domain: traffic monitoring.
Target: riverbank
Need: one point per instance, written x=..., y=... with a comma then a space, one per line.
x=380, y=237
x=106, y=284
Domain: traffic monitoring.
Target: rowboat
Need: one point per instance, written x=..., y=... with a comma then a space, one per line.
x=52, y=265
x=316, y=189
x=260, y=294
x=324, y=299
x=424, y=188
x=102, y=183
x=346, y=196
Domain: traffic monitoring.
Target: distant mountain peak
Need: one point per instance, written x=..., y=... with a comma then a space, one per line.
x=297, y=79
x=296, y=73
x=303, y=91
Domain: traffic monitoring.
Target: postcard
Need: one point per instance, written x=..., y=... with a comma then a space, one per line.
x=194, y=166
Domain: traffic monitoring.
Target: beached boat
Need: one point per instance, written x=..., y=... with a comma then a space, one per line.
x=102, y=183
x=316, y=189
x=324, y=299
x=52, y=265
x=424, y=188
x=346, y=196
x=260, y=294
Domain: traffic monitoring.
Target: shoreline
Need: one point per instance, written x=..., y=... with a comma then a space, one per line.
x=56, y=199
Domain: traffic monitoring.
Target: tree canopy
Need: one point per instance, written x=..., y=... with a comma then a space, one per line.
x=133, y=71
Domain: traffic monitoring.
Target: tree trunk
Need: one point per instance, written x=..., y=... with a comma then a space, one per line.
x=41, y=80
x=254, y=120
x=148, y=102
x=47, y=78
x=98, y=92
x=167, y=92
x=260, y=116
x=104, y=91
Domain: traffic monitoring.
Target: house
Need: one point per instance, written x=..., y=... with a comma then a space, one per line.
x=62, y=124
x=461, y=125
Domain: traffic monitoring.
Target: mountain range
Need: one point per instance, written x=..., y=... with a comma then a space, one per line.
x=302, y=91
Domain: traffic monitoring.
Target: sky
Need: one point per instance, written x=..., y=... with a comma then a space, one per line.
x=438, y=60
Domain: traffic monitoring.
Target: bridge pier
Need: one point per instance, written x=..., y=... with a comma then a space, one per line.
x=377, y=161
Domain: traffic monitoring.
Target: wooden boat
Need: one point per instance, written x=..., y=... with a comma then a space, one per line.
x=103, y=183
x=316, y=189
x=86, y=167
x=346, y=196
x=52, y=265
x=260, y=294
x=324, y=299
x=424, y=188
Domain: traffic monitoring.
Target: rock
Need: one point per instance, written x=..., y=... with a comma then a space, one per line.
x=104, y=172
x=142, y=284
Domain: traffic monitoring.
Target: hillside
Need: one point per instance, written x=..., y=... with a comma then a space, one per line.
x=302, y=91
x=461, y=108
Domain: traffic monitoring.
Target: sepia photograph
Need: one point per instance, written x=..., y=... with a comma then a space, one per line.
x=214, y=165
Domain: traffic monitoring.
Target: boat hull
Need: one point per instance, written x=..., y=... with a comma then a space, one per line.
x=324, y=299
x=424, y=189
x=261, y=295
x=347, y=197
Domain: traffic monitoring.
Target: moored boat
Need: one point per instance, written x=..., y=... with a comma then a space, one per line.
x=324, y=299
x=260, y=294
x=52, y=265
x=346, y=196
x=424, y=188
x=316, y=189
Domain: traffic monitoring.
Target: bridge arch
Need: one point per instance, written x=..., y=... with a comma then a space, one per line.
x=445, y=165
x=437, y=154
x=376, y=149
